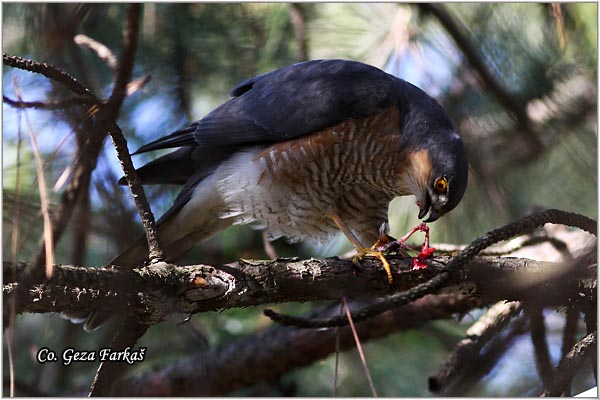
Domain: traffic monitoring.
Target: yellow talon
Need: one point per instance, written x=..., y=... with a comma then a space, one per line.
x=366, y=252
x=386, y=265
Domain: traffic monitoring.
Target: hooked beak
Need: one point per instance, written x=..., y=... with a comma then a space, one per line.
x=433, y=215
x=425, y=208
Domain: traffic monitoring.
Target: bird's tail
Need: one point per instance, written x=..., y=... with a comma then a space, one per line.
x=196, y=216
x=173, y=244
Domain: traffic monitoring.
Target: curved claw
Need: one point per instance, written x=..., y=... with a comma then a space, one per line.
x=377, y=254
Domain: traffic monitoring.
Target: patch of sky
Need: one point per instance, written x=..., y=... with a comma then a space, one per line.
x=424, y=65
x=49, y=130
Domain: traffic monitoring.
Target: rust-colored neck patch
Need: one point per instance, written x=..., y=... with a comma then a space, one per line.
x=419, y=169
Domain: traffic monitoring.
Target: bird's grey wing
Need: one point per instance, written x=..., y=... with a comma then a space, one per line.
x=177, y=167
x=277, y=106
x=299, y=100
x=288, y=103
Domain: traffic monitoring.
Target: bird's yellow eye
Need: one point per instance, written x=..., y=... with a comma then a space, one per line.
x=440, y=185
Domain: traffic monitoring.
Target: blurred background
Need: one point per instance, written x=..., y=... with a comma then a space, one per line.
x=518, y=80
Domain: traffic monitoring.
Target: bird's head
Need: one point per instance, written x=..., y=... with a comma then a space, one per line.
x=438, y=174
x=436, y=158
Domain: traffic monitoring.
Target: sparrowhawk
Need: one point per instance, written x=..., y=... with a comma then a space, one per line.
x=303, y=151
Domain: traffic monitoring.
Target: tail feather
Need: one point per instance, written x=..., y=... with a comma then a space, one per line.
x=137, y=254
x=194, y=218
x=133, y=256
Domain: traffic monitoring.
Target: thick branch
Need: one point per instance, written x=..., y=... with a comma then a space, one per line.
x=108, y=372
x=581, y=352
x=267, y=355
x=523, y=226
x=201, y=288
x=467, y=351
x=130, y=37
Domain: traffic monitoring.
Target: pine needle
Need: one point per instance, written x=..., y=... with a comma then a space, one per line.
x=359, y=347
x=44, y=202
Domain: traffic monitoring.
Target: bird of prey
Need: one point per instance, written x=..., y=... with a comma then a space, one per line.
x=303, y=152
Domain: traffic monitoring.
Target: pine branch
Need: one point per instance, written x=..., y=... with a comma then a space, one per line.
x=467, y=351
x=127, y=336
x=580, y=353
x=200, y=288
x=278, y=350
x=523, y=226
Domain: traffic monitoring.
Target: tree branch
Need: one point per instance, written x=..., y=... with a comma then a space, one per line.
x=50, y=72
x=568, y=340
x=106, y=115
x=109, y=372
x=140, y=317
x=200, y=288
x=103, y=52
x=523, y=226
x=85, y=162
x=279, y=349
x=297, y=15
x=468, y=375
x=571, y=363
x=467, y=351
x=114, y=103
x=512, y=104
x=47, y=105
x=125, y=69
x=151, y=293
x=537, y=329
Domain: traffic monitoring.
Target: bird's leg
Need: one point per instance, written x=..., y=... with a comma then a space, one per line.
x=384, y=237
x=363, y=251
x=426, y=251
x=345, y=230
x=388, y=244
x=422, y=227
